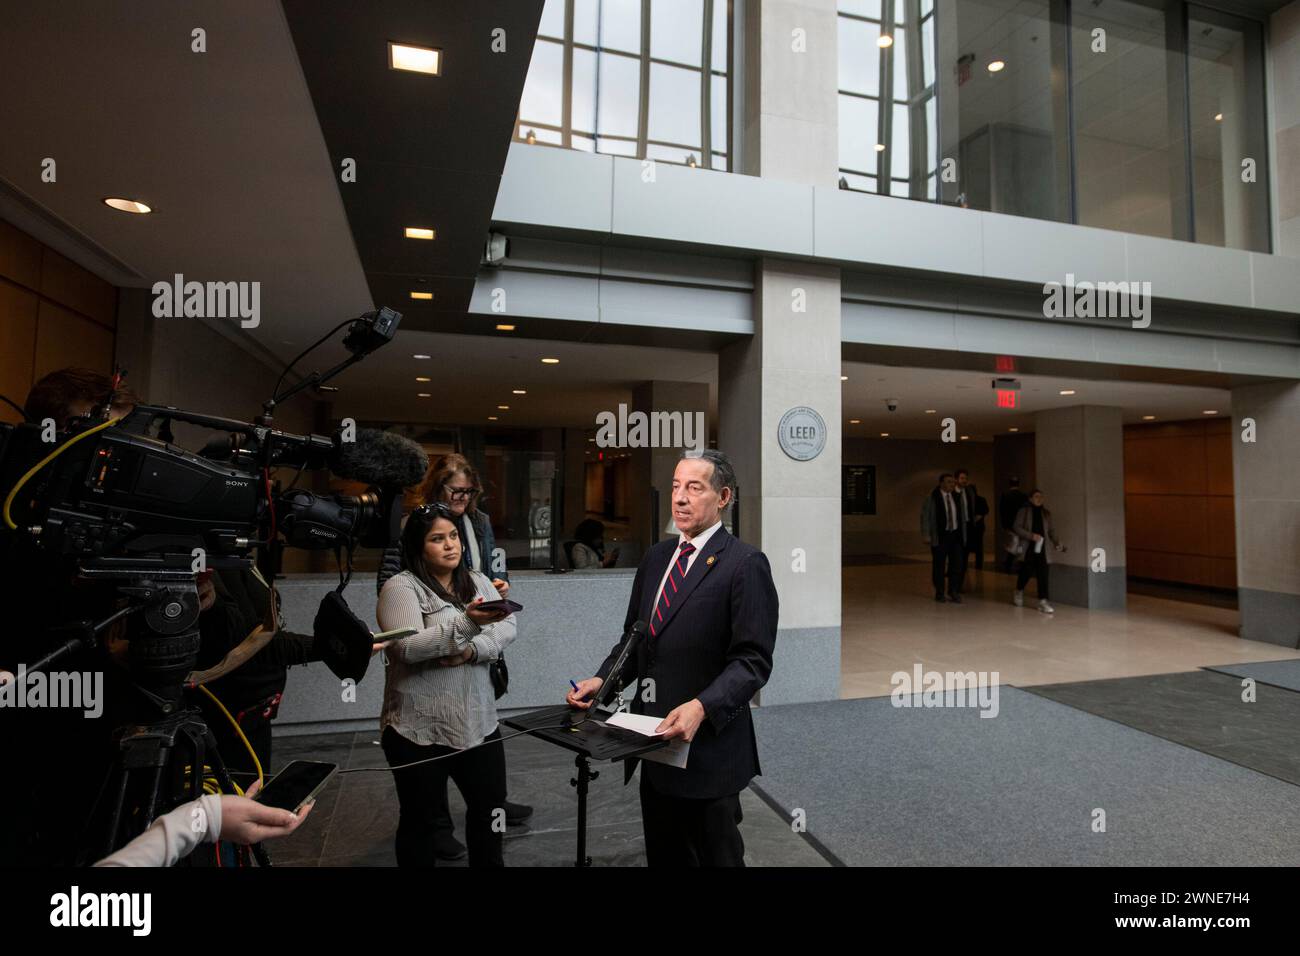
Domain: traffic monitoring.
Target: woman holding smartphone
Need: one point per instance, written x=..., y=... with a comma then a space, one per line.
x=438, y=695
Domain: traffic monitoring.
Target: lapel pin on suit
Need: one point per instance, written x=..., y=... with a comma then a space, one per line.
x=711, y=559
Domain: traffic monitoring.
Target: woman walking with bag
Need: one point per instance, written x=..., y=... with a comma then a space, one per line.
x=1033, y=529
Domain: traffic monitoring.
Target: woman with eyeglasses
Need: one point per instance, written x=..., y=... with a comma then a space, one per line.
x=453, y=482
x=438, y=695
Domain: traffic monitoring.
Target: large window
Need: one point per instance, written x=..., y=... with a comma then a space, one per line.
x=1145, y=116
x=887, y=100
x=642, y=78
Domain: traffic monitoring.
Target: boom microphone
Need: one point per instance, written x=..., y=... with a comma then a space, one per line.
x=380, y=458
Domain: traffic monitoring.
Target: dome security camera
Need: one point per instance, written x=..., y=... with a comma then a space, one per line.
x=891, y=404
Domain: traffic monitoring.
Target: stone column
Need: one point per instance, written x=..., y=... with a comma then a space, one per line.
x=1267, y=508
x=790, y=508
x=1079, y=461
x=653, y=467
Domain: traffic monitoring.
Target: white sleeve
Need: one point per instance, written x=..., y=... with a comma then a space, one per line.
x=172, y=836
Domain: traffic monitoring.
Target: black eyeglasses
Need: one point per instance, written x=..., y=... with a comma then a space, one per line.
x=462, y=492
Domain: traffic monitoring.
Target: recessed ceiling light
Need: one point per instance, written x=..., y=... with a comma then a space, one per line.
x=1148, y=418
x=503, y=408
x=127, y=205
x=519, y=391
x=965, y=437
x=885, y=40
x=1218, y=117
x=1067, y=391
x=930, y=411
x=505, y=328
x=997, y=66
x=415, y=59
x=492, y=418
x=1013, y=429
x=423, y=378
x=855, y=421
x=419, y=356
x=844, y=378
x=550, y=361
x=884, y=434
x=880, y=147
x=423, y=395
x=591, y=439
x=421, y=295
x=415, y=232
x=1210, y=411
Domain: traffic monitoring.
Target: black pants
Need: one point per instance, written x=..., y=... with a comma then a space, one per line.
x=479, y=774
x=683, y=832
x=951, y=552
x=975, y=544
x=1035, y=565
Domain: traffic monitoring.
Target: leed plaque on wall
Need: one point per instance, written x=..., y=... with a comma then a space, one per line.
x=858, y=489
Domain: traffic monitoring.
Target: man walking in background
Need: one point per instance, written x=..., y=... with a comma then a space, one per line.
x=942, y=529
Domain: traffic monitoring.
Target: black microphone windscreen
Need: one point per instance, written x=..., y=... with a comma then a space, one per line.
x=380, y=458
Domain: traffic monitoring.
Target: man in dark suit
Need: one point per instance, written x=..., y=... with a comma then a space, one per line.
x=944, y=532
x=711, y=607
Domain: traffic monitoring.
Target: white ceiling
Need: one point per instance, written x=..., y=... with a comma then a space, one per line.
x=969, y=398
x=224, y=145
x=472, y=374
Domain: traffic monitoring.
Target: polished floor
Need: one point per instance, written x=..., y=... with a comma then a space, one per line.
x=354, y=821
x=891, y=622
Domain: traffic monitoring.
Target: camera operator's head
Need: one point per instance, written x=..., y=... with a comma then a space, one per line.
x=452, y=481
x=73, y=393
x=431, y=548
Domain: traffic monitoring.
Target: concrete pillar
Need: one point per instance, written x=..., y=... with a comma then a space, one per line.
x=1284, y=66
x=1079, y=461
x=789, y=508
x=1267, y=508
x=653, y=467
x=791, y=91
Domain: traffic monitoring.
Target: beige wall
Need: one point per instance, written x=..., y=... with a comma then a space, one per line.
x=1178, y=519
x=906, y=472
x=53, y=314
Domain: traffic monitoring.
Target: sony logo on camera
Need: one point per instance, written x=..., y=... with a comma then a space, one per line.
x=209, y=300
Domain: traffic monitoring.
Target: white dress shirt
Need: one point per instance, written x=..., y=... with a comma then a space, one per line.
x=950, y=511
x=700, y=540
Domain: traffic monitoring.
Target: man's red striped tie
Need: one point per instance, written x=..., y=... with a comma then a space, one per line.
x=675, y=578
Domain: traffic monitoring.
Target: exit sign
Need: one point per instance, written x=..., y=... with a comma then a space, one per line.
x=1006, y=398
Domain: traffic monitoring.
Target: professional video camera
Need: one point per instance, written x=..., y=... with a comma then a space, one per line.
x=117, y=511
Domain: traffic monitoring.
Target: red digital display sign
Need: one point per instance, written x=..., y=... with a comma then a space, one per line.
x=1006, y=398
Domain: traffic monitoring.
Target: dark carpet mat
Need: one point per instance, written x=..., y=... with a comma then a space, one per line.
x=882, y=785
x=1202, y=710
x=1278, y=673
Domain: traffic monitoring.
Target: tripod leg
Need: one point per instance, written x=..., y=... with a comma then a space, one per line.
x=121, y=779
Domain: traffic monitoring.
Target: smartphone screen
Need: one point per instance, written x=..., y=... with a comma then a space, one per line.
x=296, y=784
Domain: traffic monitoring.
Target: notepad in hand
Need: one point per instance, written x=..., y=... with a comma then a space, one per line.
x=674, y=755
